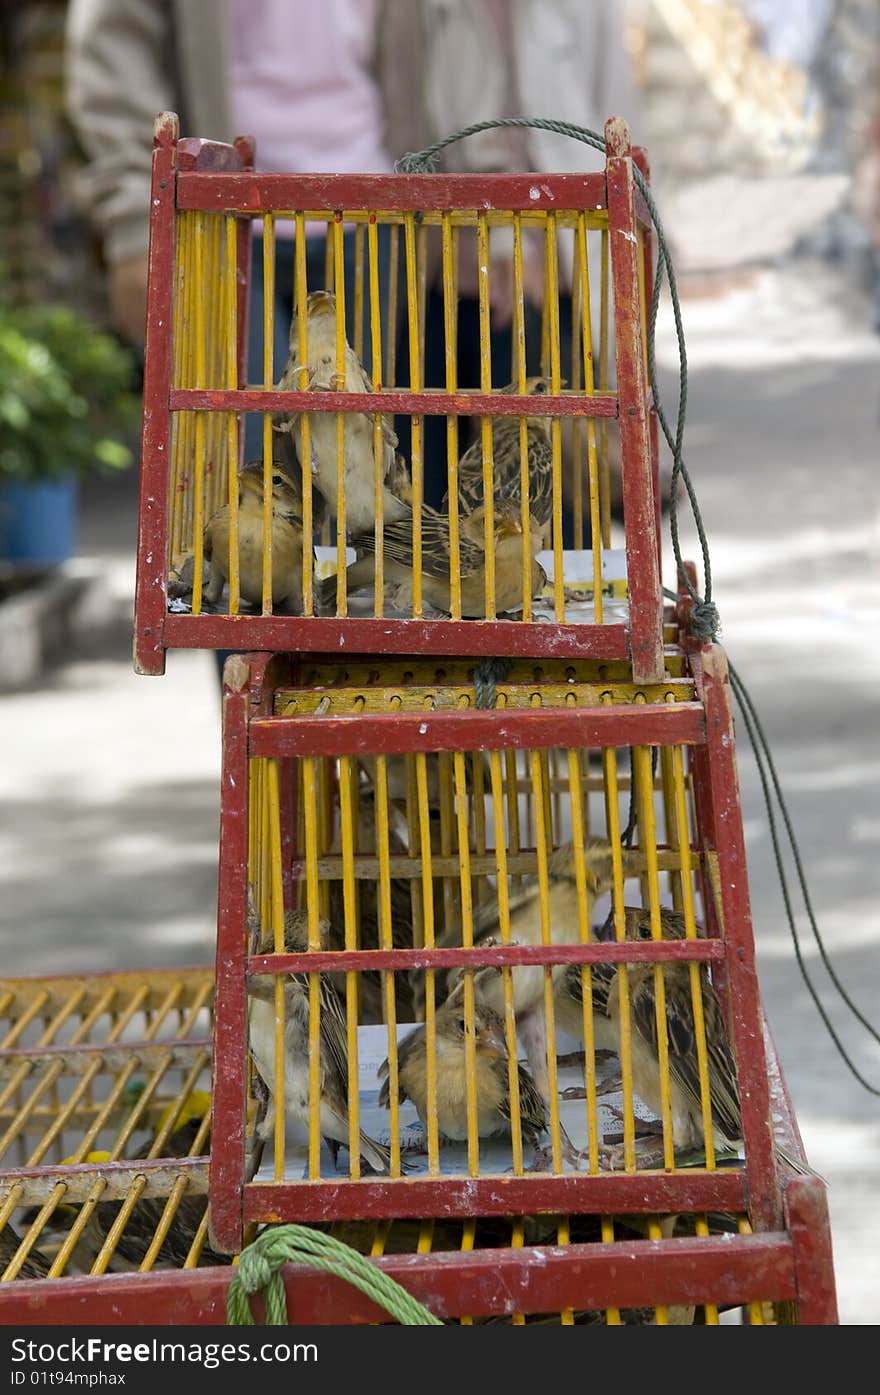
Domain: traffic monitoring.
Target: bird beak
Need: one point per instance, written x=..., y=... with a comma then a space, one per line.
x=491, y=1038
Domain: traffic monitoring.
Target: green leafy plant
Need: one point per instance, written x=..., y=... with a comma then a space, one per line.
x=66, y=404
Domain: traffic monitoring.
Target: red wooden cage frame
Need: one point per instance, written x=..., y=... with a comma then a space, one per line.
x=192, y=174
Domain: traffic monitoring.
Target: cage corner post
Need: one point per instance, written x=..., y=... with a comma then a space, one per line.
x=150, y=583
x=642, y=558
x=227, y=1168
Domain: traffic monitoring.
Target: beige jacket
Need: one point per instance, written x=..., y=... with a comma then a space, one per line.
x=436, y=63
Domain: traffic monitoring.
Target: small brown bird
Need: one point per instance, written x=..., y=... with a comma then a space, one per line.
x=436, y=563
x=525, y=928
x=359, y=468
x=684, y=1079
x=506, y=464
x=684, y=1075
x=35, y=1266
x=491, y=1069
x=334, y=1045
x=286, y=541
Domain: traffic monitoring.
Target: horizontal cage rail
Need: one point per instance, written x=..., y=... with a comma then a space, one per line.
x=622, y=952
x=478, y=730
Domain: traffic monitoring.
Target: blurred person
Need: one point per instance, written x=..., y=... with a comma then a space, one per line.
x=347, y=85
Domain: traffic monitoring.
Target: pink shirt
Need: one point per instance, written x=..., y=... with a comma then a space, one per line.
x=302, y=85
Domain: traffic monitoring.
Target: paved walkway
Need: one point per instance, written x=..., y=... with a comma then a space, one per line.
x=110, y=781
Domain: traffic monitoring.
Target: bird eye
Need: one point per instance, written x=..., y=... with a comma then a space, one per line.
x=645, y=931
x=540, y=386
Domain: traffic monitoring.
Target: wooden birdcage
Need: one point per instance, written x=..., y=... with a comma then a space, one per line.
x=408, y=823
x=380, y=796
x=589, y=600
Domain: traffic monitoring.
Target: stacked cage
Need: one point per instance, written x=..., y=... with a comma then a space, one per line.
x=486, y=1005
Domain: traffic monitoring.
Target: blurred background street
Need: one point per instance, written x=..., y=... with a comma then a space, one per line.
x=109, y=781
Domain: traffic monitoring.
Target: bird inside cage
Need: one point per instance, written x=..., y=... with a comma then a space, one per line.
x=332, y=1103
x=318, y=368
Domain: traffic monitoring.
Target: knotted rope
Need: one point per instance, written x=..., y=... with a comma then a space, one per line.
x=259, y=1270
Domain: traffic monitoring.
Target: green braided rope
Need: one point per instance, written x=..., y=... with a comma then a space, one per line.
x=259, y=1270
x=704, y=619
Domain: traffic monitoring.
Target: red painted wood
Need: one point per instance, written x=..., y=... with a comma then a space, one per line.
x=424, y=403
x=604, y=1194
x=212, y=156
x=258, y=192
x=291, y=633
x=150, y=599
x=642, y=560
x=640, y=951
x=230, y=1015
x=640, y=160
x=744, y=992
x=478, y=730
x=726, y=1270
x=806, y=1206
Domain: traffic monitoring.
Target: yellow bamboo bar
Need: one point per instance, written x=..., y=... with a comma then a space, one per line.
x=450, y=326
x=217, y=480
x=451, y=898
x=301, y=292
x=197, y=310
x=347, y=822
x=687, y=890
x=710, y=1311
x=542, y=849
x=415, y=383
x=277, y=913
x=604, y=342
x=311, y=849
x=430, y=998
x=268, y=382
x=648, y=839
x=380, y=796
x=198, y=1244
x=502, y=884
x=467, y=939
x=341, y=377
x=232, y=420
x=552, y=305
x=612, y=822
x=468, y=1236
x=596, y=529
x=756, y=1310
x=483, y=253
x=612, y=1315
x=378, y=442
x=577, y=434
x=517, y=1240
x=393, y=281
x=178, y=419
x=358, y=340
x=578, y=834
x=673, y=833
x=563, y=1236
x=169, y=1211
x=518, y=375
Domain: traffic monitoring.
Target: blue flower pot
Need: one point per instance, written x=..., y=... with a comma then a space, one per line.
x=38, y=522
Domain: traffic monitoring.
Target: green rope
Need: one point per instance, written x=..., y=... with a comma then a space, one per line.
x=705, y=622
x=259, y=1269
